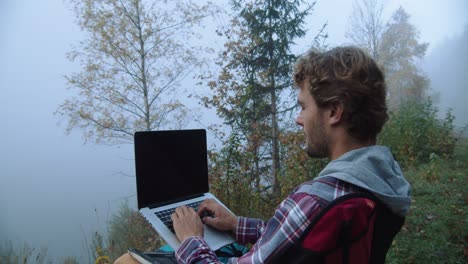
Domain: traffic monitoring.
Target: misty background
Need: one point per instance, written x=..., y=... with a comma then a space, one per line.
x=55, y=190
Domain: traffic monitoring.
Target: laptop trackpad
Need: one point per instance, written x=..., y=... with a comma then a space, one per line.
x=215, y=238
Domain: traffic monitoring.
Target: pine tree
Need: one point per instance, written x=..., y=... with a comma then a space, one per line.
x=253, y=93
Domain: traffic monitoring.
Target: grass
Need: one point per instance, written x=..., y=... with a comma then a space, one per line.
x=436, y=228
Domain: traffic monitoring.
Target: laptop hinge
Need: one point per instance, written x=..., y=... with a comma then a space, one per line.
x=188, y=197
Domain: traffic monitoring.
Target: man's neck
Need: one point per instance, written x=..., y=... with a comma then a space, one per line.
x=347, y=143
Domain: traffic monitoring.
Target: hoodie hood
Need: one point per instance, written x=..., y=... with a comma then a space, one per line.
x=374, y=169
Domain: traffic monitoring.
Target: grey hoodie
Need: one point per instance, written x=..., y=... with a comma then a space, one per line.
x=374, y=169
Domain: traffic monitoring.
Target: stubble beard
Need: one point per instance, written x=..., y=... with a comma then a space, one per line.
x=317, y=144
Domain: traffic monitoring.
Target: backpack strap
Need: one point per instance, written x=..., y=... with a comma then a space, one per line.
x=387, y=225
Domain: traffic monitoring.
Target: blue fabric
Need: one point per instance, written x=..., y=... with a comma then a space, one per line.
x=224, y=253
x=231, y=251
x=166, y=248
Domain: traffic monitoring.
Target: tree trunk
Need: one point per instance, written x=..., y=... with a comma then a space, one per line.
x=274, y=117
x=143, y=69
x=275, y=145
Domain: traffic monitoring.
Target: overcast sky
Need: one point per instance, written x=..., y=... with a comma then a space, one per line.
x=51, y=183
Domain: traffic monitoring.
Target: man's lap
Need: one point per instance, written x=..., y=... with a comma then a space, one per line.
x=126, y=259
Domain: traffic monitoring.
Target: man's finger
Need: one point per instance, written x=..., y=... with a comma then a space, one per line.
x=211, y=221
x=206, y=205
x=208, y=202
x=181, y=211
x=174, y=216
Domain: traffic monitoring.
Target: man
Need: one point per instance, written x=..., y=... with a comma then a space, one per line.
x=343, y=108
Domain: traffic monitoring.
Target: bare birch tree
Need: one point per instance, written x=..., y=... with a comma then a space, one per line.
x=366, y=26
x=395, y=45
x=135, y=55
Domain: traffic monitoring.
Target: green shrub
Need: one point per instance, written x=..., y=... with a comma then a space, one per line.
x=414, y=133
x=14, y=254
x=127, y=228
x=235, y=178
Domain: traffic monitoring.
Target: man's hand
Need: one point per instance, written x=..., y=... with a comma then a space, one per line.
x=186, y=223
x=220, y=218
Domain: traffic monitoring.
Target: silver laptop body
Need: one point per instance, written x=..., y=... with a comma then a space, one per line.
x=172, y=170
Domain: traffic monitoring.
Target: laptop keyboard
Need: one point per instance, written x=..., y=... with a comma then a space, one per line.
x=165, y=215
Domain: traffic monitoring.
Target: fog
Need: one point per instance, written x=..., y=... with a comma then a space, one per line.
x=55, y=190
x=51, y=183
x=447, y=65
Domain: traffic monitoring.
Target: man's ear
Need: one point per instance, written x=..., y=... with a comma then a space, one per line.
x=335, y=113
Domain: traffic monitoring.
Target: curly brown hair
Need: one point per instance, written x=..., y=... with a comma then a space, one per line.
x=347, y=76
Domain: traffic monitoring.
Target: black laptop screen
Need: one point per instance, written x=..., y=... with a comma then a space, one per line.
x=170, y=165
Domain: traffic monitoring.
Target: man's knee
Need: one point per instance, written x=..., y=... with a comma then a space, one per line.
x=126, y=259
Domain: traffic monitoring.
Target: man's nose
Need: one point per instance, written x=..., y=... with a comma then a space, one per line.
x=299, y=120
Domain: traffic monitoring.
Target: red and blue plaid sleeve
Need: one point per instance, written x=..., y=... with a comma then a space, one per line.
x=195, y=250
x=249, y=230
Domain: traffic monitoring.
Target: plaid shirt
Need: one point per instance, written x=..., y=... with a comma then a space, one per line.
x=281, y=232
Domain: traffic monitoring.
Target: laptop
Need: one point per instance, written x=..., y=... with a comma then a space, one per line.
x=172, y=170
